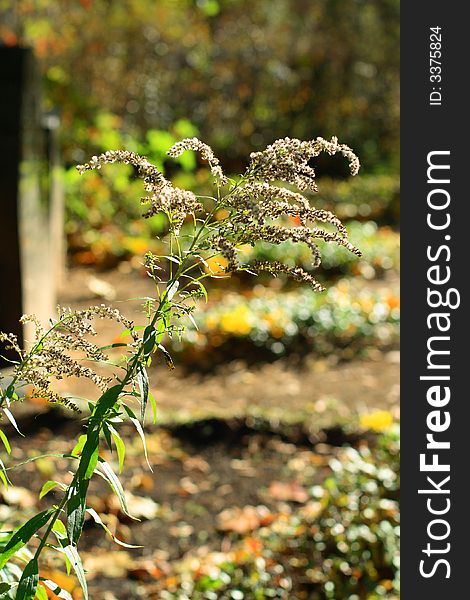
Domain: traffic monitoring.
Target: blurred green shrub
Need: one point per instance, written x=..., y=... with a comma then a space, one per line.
x=380, y=248
x=343, y=543
x=264, y=325
x=103, y=213
x=347, y=539
x=368, y=197
x=245, y=74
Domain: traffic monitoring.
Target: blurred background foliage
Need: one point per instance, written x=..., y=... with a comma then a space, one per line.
x=141, y=75
x=245, y=73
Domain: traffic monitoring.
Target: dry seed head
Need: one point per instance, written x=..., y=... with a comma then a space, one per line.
x=206, y=153
x=287, y=160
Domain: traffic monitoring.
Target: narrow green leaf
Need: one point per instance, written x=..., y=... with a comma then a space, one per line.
x=47, y=487
x=96, y=517
x=5, y=441
x=143, y=382
x=166, y=354
x=79, y=446
x=60, y=532
x=11, y=418
x=59, y=528
x=3, y=474
x=24, y=534
x=154, y=406
x=29, y=581
x=203, y=290
x=56, y=589
x=72, y=554
x=140, y=431
x=161, y=329
x=120, y=446
x=127, y=332
x=41, y=593
x=76, y=506
x=107, y=436
x=149, y=340
x=90, y=453
x=115, y=345
x=105, y=402
x=107, y=473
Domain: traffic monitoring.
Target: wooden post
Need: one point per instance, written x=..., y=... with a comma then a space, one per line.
x=28, y=204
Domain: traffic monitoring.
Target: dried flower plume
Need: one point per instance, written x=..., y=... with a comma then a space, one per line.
x=257, y=210
x=59, y=352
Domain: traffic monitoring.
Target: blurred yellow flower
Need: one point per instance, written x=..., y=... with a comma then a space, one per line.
x=380, y=420
x=236, y=321
x=276, y=321
x=135, y=245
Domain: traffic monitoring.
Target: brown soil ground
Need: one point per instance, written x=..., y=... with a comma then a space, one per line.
x=278, y=390
x=223, y=439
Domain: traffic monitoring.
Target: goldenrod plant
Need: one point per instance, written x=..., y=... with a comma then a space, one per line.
x=254, y=208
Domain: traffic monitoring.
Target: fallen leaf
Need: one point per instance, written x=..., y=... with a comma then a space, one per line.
x=311, y=510
x=110, y=564
x=141, y=507
x=144, y=569
x=181, y=530
x=187, y=487
x=243, y=520
x=19, y=497
x=196, y=463
x=290, y=491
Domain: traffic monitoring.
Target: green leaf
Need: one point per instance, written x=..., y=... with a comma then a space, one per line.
x=56, y=589
x=106, y=472
x=5, y=588
x=79, y=446
x=140, y=431
x=5, y=441
x=11, y=418
x=161, y=329
x=96, y=517
x=24, y=534
x=127, y=332
x=29, y=581
x=90, y=451
x=76, y=506
x=167, y=356
x=71, y=553
x=149, y=340
x=143, y=382
x=89, y=458
x=120, y=446
x=47, y=487
x=3, y=474
x=59, y=528
x=203, y=290
x=107, y=436
x=154, y=406
x=105, y=402
x=115, y=345
x=41, y=593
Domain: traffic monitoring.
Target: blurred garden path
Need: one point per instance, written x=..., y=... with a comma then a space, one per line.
x=323, y=389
